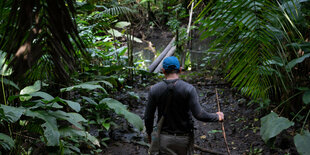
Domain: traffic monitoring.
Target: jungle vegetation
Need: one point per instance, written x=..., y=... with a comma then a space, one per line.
x=62, y=61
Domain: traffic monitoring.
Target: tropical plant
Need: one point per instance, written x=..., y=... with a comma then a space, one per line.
x=33, y=29
x=263, y=46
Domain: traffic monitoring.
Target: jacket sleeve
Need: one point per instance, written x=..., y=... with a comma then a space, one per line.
x=197, y=110
x=149, y=113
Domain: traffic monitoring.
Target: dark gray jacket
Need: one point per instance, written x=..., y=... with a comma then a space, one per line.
x=184, y=104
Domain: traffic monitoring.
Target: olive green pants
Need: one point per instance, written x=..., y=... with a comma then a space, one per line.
x=176, y=145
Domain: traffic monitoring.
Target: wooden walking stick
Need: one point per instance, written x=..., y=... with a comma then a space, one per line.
x=223, y=129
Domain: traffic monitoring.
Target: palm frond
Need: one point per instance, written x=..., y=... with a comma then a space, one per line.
x=247, y=37
x=118, y=10
x=34, y=28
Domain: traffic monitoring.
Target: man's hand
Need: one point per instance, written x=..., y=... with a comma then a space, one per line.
x=149, y=138
x=221, y=116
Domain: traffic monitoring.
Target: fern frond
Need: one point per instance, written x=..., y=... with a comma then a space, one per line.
x=118, y=10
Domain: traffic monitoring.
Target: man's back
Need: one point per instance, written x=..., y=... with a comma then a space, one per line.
x=184, y=103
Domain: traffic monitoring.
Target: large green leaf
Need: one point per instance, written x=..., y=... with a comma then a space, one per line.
x=83, y=86
x=294, y=62
x=122, y=24
x=30, y=89
x=121, y=109
x=272, y=125
x=89, y=100
x=13, y=113
x=101, y=81
x=70, y=132
x=9, y=82
x=302, y=143
x=51, y=132
x=6, y=141
x=74, y=105
x=115, y=33
x=306, y=97
x=44, y=95
x=50, y=127
x=4, y=70
x=74, y=118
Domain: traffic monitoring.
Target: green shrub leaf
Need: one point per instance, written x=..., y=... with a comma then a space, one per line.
x=122, y=24
x=121, y=109
x=44, y=95
x=83, y=86
x=103, y=81
x=74, y=105
x=272, y=125
x=9, y=82
x=306, y=97
x=302, y=143
x=89, y=100
x=115, y=33
x=294, y=62
x=13, y=113
x=51, y=132
x=73, y=118
x=30, y=89
x=70, y=132
x=50, y=127
x=6, y=141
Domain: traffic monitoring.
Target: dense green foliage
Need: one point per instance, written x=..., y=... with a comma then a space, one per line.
x=58, y=110
x=63, y=64
x=264, y=48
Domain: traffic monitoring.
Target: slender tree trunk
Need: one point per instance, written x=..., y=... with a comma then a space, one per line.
x=150, y=13
x=130, y=54
x=165, y=9
x=186, y=46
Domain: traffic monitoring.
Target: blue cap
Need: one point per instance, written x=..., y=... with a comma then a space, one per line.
x=171, y=63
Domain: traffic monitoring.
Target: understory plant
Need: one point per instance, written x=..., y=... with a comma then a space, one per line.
x=55, y=112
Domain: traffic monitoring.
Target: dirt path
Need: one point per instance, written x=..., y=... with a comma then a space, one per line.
x=241, y=124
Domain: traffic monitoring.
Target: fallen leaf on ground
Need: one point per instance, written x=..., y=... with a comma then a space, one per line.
x=203, y=137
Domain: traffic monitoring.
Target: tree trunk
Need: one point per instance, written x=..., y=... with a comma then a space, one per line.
x=130, y=55
x=154, y=65
x=184, y=52
x=170, y=52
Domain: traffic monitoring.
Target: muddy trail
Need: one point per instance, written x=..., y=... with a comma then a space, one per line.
x=241, y=122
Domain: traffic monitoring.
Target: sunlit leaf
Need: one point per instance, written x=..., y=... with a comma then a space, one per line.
x=203, y=137
x=122, y=24
x=115, y=33
x=30, y=89
x=82, y=86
